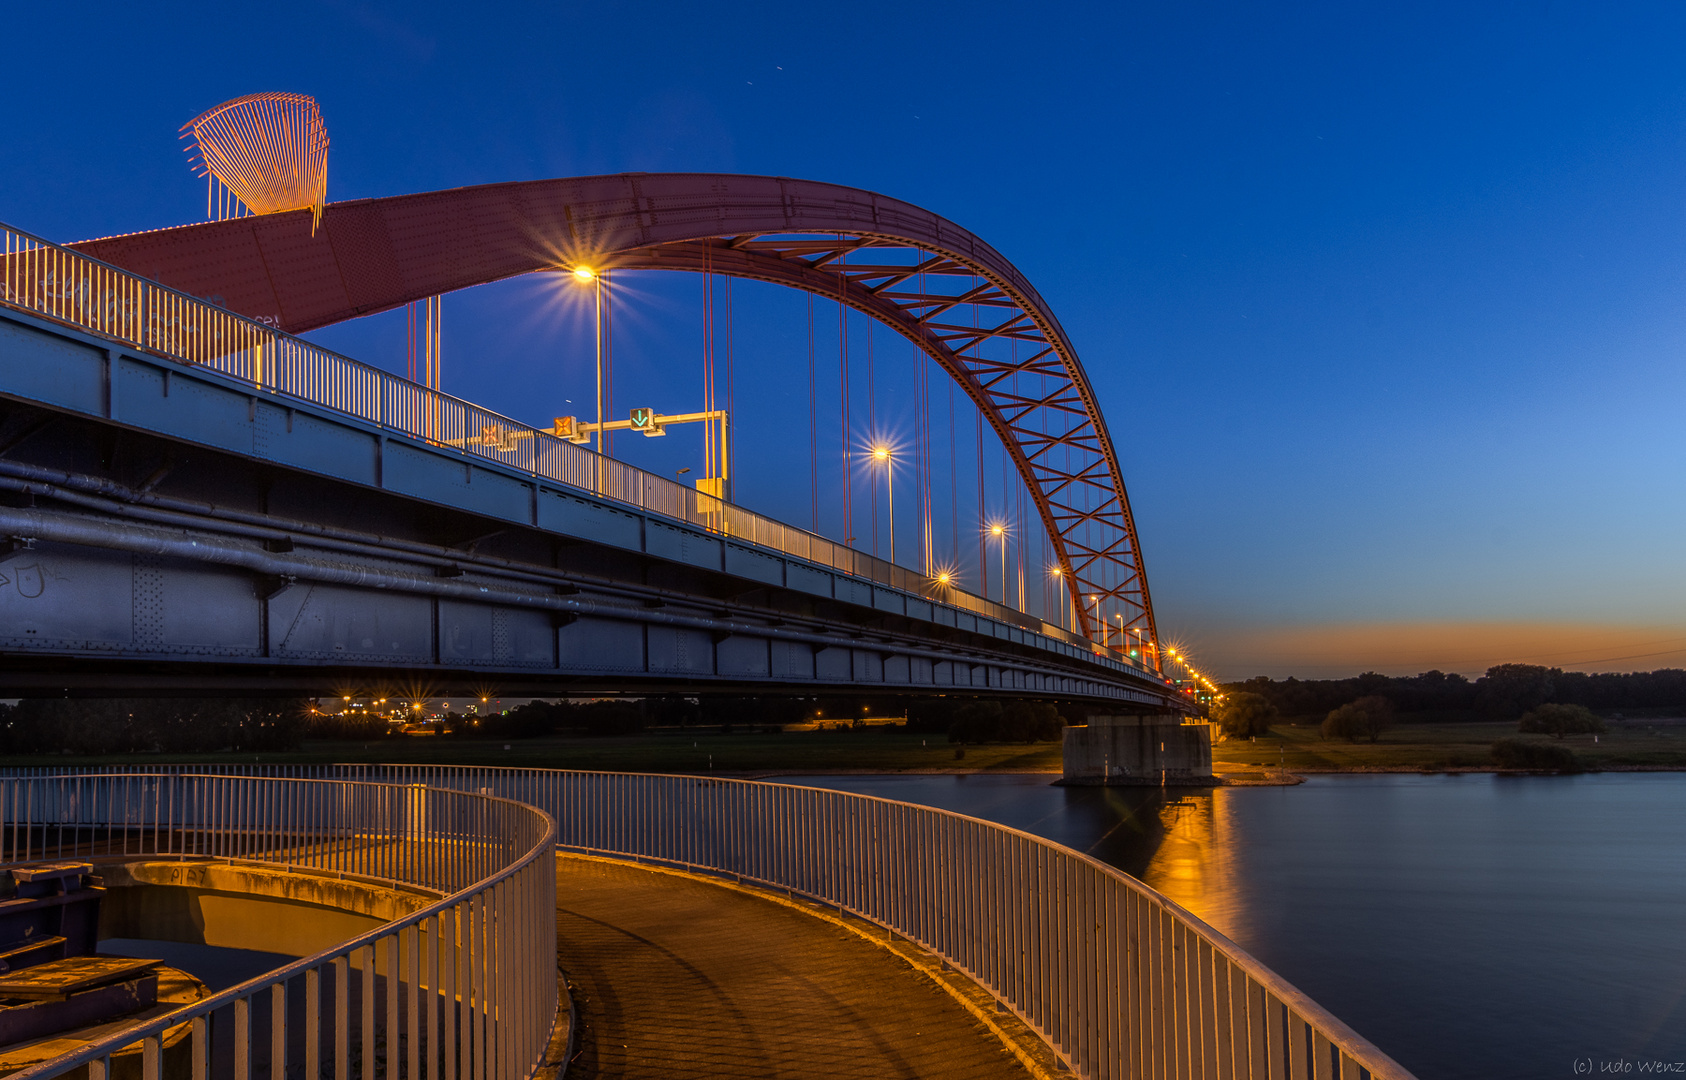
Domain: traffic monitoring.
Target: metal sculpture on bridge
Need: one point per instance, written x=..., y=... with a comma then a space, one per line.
x=908, y=268
x=270, y=151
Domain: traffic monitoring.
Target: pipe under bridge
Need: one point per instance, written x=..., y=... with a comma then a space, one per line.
x=206, y=504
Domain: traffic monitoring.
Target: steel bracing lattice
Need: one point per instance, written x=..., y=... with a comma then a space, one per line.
x=1038, y=402
x=938, y=285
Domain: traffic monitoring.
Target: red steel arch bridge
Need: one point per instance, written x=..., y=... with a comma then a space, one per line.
x=942, y=288
x=933, y=282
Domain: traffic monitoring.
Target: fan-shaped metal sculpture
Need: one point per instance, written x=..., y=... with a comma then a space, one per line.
x=269, y=150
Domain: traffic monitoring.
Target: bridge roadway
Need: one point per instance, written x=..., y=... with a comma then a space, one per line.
x=165, y=525
x=675, y=976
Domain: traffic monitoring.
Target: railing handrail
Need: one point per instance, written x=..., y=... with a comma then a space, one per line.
x=713, y=512
x=1377, y=1062
x=541, y=848
x=766, y=794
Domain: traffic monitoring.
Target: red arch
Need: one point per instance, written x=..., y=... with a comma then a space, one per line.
x=372, y=255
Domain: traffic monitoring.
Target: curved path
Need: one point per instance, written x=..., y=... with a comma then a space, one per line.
x=678, y=976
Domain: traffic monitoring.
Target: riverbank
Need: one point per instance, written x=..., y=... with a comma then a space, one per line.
x=1301, y=748
x=1289, y=750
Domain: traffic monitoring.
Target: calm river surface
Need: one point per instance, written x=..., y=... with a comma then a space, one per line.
x=1470, y=926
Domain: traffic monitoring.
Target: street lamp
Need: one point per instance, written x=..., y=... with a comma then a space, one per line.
x=882, y=453
x=587, y=276
x=999, y=531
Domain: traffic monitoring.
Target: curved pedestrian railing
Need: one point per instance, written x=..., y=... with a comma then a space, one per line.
x=463, y=988
x=1119, y=980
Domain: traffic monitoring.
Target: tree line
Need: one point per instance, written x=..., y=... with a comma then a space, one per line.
x=961, y=720
x=95, y=726
x=1505, y=692
x=105, y=726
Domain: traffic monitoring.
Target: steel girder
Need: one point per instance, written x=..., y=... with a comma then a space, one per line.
x=938, y=285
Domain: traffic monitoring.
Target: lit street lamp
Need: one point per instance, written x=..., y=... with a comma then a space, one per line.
x=882, y=453
x=586, y=275
x=999, y=531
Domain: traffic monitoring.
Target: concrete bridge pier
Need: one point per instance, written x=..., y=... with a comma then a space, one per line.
x=1162, y=748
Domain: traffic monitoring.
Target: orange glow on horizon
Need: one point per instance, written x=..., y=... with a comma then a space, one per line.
x=1342, y=650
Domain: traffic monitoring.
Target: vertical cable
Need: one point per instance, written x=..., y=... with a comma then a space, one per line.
x=843, y=368
x=953, y=487
x=708, y=360
x=608, y=445
x=813, y=421
x=983, y=520
x=872, y=438
x=728, y=429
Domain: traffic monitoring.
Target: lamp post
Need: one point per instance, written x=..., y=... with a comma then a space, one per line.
x=999, y=531
x=882, y=453
x=584, y=274
x=1071, y=600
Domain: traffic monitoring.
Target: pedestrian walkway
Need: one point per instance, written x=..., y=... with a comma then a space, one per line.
x=677, y=976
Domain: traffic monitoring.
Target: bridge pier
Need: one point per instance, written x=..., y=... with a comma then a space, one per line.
x=1138, y=750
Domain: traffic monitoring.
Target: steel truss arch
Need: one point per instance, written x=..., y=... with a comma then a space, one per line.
x=921, y=274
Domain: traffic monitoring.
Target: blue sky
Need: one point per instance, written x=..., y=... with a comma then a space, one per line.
x=1385, y=299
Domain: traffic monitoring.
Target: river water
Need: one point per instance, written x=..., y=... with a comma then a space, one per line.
x=1472, y=926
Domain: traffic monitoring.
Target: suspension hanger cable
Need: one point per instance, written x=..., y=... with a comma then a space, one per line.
x=728, y=425
x=924, y=438
x=608, y=360
x=813, y=420
x=953, y=487
x=983, y=523
x=843, y=368
x=708, y=360
x=983, y=517
x=872, y=436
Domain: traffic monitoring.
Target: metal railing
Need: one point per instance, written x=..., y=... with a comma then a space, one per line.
x=49, y=280
x=1119, y=980
x=463, y=988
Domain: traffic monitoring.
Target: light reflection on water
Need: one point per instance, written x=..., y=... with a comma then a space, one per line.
x=1471, y=926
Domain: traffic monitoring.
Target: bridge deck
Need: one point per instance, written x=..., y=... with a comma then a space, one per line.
x=679, y=976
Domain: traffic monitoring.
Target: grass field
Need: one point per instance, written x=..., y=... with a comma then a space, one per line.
x=1448, y=746
x=1290, y=746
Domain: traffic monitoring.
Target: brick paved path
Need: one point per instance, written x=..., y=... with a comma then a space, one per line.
x=677, y=977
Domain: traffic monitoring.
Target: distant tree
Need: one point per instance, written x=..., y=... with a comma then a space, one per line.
x=527, y=721
x=1365, y=718
x=609, y=718
x=1244, y=713
x=1030, y=721
x=976, y=722
x=1560, y=720
x=1509, y=690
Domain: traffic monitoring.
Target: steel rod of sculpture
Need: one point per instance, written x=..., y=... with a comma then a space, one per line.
x=269, y=150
